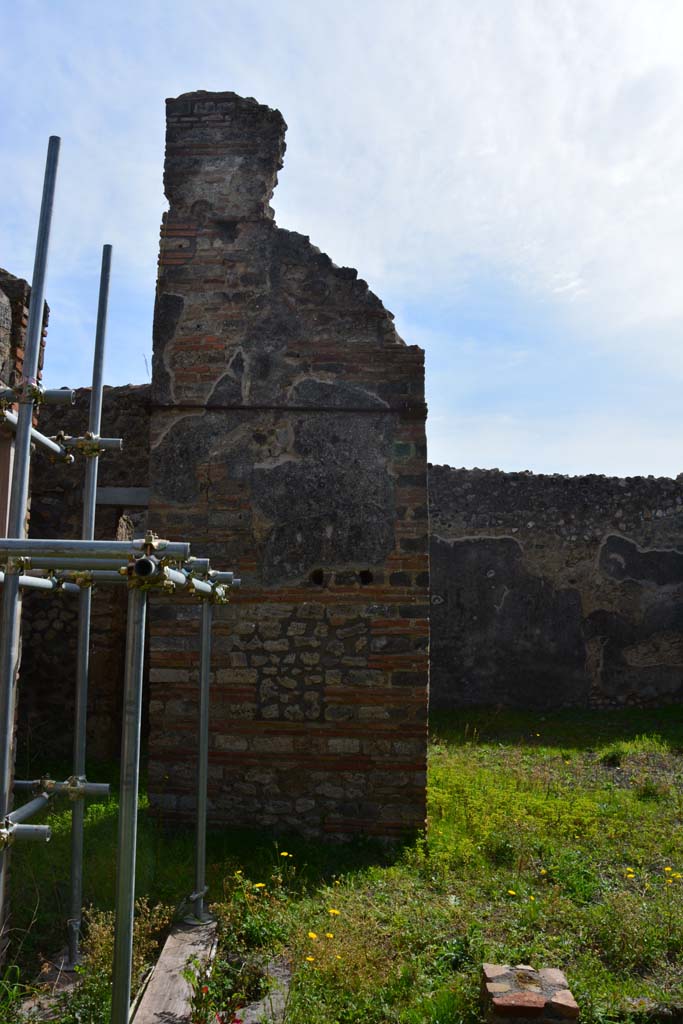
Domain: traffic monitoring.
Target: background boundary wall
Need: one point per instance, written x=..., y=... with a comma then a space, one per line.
x=555, y=591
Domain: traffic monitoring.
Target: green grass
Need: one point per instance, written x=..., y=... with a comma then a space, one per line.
x=548, y=843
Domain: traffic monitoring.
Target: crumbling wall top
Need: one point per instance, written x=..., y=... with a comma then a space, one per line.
x=223, y=153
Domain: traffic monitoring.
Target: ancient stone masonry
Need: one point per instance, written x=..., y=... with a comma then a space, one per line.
x=15, y=294
x=288, y=441
x=552, y=591
x=46, y=703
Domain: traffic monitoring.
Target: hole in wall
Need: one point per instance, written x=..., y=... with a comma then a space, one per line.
x=317, y=578
x=365, y=577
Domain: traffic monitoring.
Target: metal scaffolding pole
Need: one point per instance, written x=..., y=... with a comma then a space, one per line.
x=84, y=607
x=57, y=550
x=203, y=759
x=128, y=809
x=16, y=526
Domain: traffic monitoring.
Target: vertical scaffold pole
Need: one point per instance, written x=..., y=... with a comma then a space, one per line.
x=128, y=811
x=16, y=527
x=84, y=605
x=203, y=757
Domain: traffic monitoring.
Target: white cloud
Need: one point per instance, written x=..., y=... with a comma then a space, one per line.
x=428, y=138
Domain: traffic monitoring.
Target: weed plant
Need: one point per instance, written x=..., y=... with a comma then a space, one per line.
x=551, y=841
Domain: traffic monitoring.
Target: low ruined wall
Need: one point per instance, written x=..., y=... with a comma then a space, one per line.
x=554, y=591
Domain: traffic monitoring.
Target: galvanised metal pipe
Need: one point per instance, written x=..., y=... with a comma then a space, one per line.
x=221, y=577
x=96, y=576
x=68, y=788
x=12, y=421
x=95, y=549
x=200, y=586
x=35, y=582
x=106, y=444
x=27, y=811
x=84, y=608
x=176, y=576
x=146, y=566
x=128, y=805
x=199, y=565
x=203, y=758
x=16, y=523
x=53, y=396
x=10, y=833
x=69, y=564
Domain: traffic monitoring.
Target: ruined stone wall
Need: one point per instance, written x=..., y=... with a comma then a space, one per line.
x=15, y=294
x=288, y=443
x=554, y=591
x=47, y=686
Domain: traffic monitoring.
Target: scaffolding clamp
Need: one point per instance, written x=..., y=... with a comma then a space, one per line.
x=28, y=389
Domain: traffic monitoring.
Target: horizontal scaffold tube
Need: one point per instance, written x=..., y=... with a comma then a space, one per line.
x=52, y=396
x=75, y=564
x=11, y=419
x=35, y=582
x=95, y=549
x=74, y=788
x=105, y=444
x=10, y=833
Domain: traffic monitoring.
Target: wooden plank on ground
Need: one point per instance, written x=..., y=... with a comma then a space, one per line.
x=166, y=1000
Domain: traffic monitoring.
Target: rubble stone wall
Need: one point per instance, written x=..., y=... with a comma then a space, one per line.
x=554, y=591
x=288, y=444
x=50, y=621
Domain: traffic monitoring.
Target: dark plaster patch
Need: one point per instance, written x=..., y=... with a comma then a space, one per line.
x=228, y=230
x=332, y=504
x=227, y=391
x=621, y=559
x=500, y=634
x=185, y=446
x=167, y=312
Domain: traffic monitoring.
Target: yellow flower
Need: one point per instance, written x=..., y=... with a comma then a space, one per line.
x=511, y=892
x=310, y=959
x=329, y=935
x=533, y=899
x=669, y=881
x=338, y=957
x=284, y=854
x=259, y=885
x=312, y=935
x=668, y=869
x=543, y=871
x=677, y=874
x=334, y=912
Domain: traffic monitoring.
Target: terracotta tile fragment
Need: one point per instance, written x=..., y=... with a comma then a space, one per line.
x=519, y=1004
x=493, y=971
x=553, y=976
x=564, y=1004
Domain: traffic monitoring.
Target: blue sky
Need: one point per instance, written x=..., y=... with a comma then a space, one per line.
x=508, y=177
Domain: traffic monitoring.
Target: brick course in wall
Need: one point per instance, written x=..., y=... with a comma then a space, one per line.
x=288, y=443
